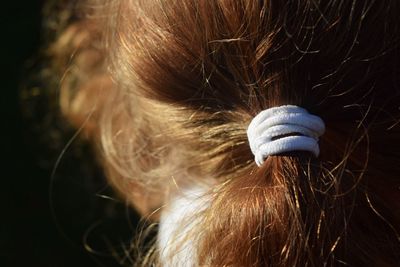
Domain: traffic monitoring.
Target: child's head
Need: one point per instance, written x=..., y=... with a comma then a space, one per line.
x=174, y=86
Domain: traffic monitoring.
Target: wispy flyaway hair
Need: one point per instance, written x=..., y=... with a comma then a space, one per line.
x=166, y=90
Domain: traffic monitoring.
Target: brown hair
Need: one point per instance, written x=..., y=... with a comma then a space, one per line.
x=181, y=81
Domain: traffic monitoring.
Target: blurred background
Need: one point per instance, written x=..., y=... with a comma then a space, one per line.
x=56, y=207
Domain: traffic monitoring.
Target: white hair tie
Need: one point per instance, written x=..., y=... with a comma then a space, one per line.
x=284, y=129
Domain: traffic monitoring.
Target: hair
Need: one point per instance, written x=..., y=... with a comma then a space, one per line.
x=165, y=90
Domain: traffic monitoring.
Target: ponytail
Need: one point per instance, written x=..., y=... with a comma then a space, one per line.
x=188, y=78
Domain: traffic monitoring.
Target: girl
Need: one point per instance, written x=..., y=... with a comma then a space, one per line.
x=181, y=99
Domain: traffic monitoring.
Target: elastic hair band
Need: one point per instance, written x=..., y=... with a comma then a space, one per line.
x=284, y=129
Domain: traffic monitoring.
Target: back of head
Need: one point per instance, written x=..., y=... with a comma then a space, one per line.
x=189, y=76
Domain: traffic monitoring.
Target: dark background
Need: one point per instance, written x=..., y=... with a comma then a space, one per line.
x=70, y=217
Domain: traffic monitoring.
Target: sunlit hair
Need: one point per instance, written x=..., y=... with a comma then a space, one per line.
x=166, y=91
